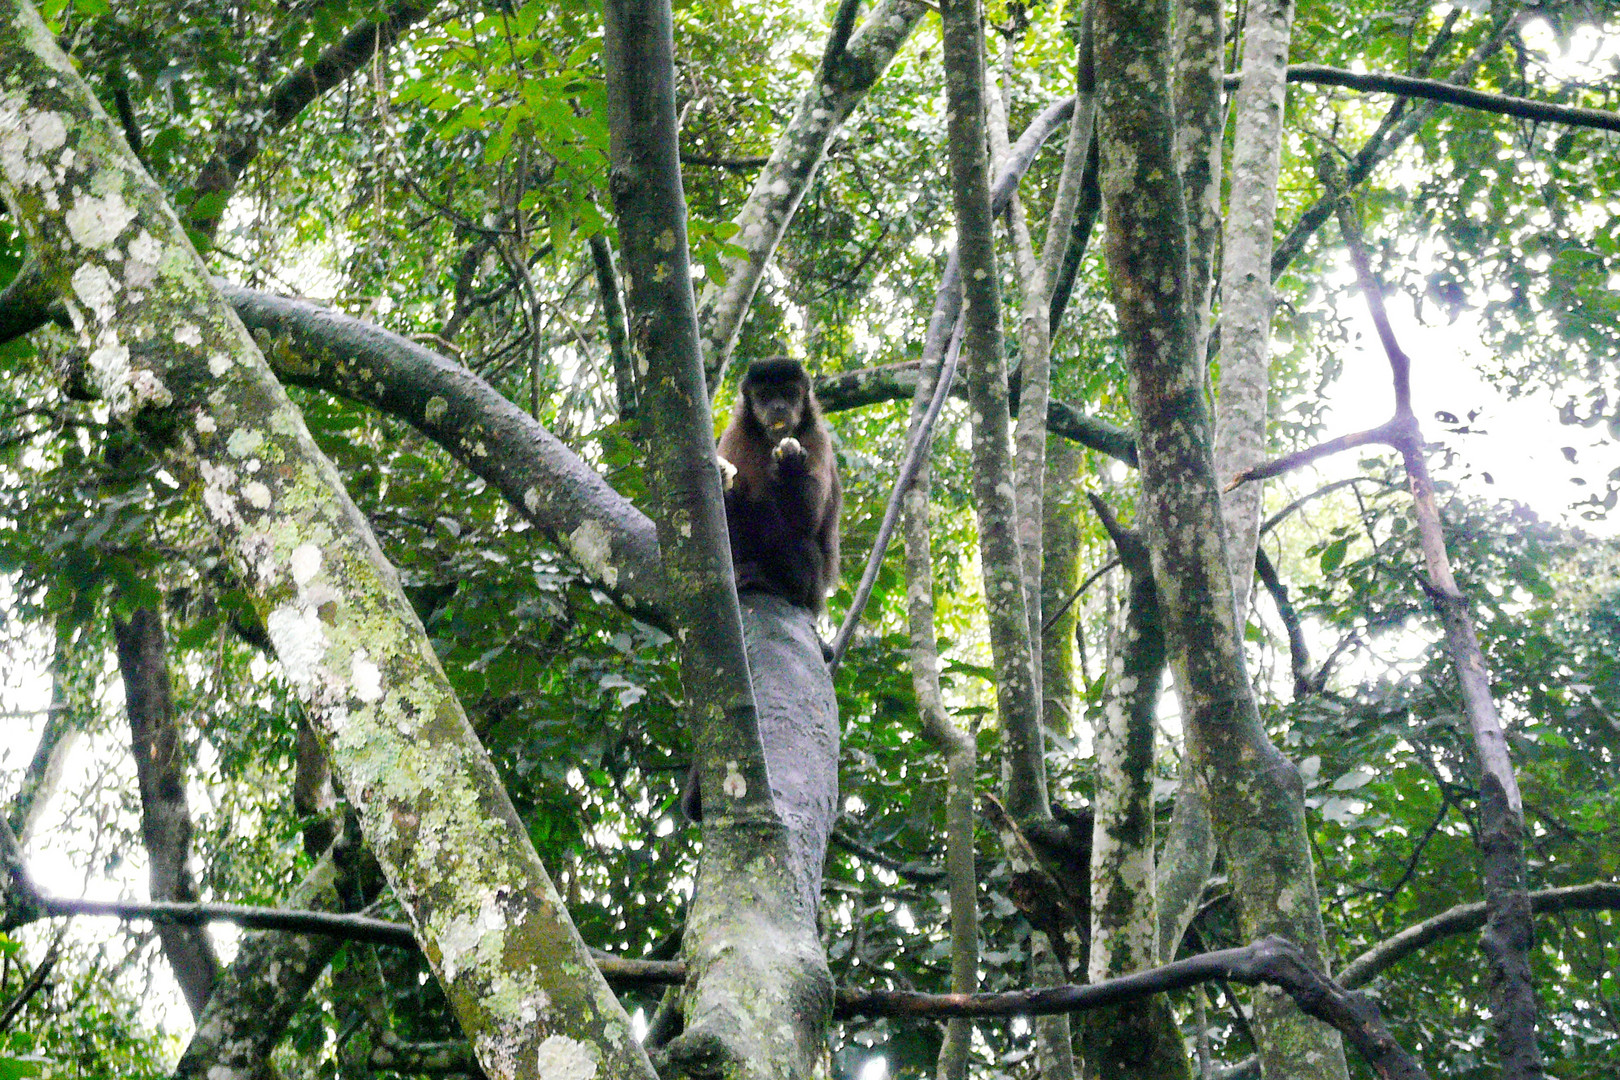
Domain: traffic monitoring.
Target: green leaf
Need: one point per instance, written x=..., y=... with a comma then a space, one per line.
x=1333, y=555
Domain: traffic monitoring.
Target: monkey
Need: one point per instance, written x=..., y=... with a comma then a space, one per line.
x=782, y=498
x=782, y=492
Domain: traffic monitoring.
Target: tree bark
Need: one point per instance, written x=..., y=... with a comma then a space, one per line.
x=759, y=993
x=1060, y=577
x=162, y=765
x=1017, y=702
x=169, y=357
x=1254, y=793
x=1246, y=295
x=960, y=753
x=256, y=996
x=1141, y=1040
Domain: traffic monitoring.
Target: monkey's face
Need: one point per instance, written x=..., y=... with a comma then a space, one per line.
x=778, y=408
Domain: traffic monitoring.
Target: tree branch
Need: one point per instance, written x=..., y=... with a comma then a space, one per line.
x=1449, y=93
x=1272, y=961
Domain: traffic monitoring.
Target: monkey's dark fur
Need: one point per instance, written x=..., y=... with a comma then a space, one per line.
x=783, y=501
x=782, y=498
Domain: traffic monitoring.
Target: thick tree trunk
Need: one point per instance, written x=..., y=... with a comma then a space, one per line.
x=168, y=356
x=759, y=995
x=1254, y=793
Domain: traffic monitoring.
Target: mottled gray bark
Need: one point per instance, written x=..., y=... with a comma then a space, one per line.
x=1184, y=864
x=758, y=991
x=169, y=357
x=1254, y=793
x=1035, y=371
x=1198, y=44
x=1140, y=1041
x=849, y=69
x=1066, y=199
x=1017, y=698
x=1060, y=577
x=307, y=345
x=162, y=767
x=1246, y=294
x=1053, y=1038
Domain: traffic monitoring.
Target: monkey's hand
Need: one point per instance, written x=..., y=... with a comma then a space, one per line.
x=788, y=448
x=728, y=473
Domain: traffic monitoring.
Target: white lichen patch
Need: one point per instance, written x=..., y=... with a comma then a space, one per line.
x=218, y=365
x=366, y=678
x=97, y=289
x=147, y=389
x=110, y=365
x=299, y=640
x=244, y=441
x=149, y=251
x=734, y=785
x=186, y=334
x=435, y=409
x=478, y=940
x=205, y=424
x=26, y=136
x=592, y=545
x=562, y=1058
x=304, y=563
x=95, y=222
x=257, y=494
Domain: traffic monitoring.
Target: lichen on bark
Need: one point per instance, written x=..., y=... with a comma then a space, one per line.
x=171, y=359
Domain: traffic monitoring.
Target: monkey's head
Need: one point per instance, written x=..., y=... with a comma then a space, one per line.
x=776, y=397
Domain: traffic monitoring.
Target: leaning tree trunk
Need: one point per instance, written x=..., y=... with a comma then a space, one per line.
x=169, y=357
x=1253, y=792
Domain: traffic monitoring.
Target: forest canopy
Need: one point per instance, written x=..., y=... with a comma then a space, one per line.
x=1221, y=676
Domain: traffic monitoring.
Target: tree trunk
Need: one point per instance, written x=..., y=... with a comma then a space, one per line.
x=169, y=357
x=1246, y=294
x=1254, y=793
x=1139, y=1041
x=162, y=767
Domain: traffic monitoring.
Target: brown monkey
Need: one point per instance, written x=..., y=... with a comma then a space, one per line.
x=782, y=491
x=782, y=498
